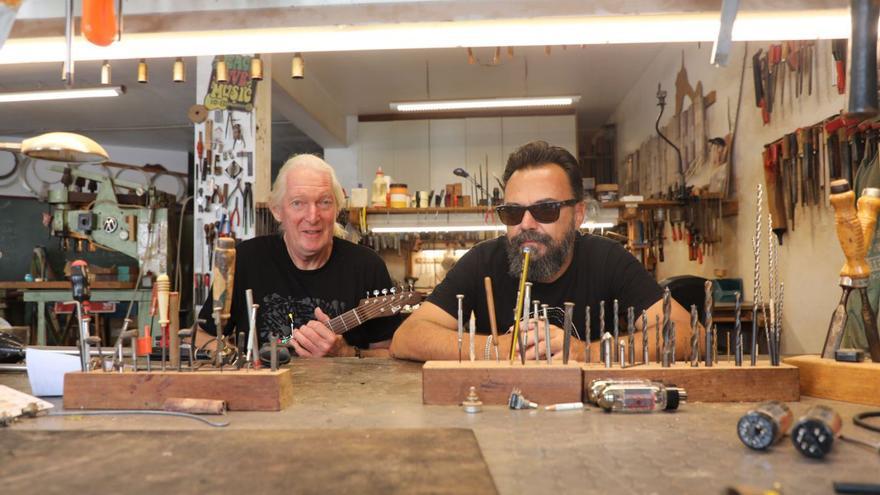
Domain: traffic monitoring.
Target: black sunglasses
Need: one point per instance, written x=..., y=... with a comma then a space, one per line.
x=547, y=212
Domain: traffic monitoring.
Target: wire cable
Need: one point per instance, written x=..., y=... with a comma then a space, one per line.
x=859, y=420
x=123, y=412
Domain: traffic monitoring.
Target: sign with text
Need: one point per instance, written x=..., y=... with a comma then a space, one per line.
x=238, y=91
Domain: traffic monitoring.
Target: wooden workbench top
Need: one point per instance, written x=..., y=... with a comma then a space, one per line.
x=694, y=450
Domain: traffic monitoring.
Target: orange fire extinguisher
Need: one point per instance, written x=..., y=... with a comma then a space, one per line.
x=99, y=21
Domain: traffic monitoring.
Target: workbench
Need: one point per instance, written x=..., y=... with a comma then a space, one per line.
x=694, y=450
x=59, y=291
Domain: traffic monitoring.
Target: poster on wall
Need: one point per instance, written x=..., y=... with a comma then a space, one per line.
x=238, y=91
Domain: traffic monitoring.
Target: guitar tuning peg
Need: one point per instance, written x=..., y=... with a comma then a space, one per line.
x=393, y=290
x=384, y=292
x=368, y=294
x=376, y=293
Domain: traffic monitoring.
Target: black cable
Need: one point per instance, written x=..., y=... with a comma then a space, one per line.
x=859, y=420
x=661, y=102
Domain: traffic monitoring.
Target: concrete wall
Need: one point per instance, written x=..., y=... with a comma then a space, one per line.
x=810, y=258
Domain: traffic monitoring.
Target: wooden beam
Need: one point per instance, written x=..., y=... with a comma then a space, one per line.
x=448, y=382
x=723, y=382
x=243, y=390
x=829, y=379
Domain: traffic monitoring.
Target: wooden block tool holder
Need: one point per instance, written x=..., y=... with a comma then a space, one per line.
x=722, y=382
x=243, y=390
x=448, y=382
x=829, y=379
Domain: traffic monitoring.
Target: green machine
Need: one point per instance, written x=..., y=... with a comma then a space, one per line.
x=137, y=223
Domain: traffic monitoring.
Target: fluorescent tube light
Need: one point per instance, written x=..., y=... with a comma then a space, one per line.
x=488, y=103
x=537, y=31
x=61, y=94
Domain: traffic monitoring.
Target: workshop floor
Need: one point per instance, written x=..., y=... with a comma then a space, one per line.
x=694, y=450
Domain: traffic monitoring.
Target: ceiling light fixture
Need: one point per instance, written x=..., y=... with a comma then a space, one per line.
x=257, y=68
x=143, y=72
x=297, y=66
x=62, y=94
x=106, y=73
x=484, y=104
x=537, y=31
x=178, y=71
x=221, y=71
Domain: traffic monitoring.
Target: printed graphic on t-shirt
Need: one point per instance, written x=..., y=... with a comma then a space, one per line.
x=275, y=308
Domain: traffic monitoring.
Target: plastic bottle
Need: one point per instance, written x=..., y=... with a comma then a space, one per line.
x=379, y=195
x=636, y=398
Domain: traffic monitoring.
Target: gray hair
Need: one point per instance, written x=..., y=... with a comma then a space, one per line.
x=312, y=162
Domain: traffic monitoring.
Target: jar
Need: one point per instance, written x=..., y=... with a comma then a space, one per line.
x=399, y=195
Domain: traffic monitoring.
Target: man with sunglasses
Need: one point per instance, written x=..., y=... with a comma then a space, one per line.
x=543, y=210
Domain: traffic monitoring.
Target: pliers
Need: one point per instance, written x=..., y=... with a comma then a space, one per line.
x=235, y=215
x=247, y=197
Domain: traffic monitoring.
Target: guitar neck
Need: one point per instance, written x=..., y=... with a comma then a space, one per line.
x=368, y=309
x=349, y=320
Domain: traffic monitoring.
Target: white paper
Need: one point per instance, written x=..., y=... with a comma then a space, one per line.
x=46, y=371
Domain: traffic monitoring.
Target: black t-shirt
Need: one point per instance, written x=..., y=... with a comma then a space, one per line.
x=263, y=265
x=601, y=270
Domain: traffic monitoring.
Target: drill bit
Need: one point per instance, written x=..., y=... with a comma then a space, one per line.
x=668, y=349
x=714, y=343
x=566, y=335
x=631, y=334
x=460, y=298
x=667, y=310
x=601, y=320
x=526, y=320
x=695, y=337
x=657, y=337
x=536, y=303
x=737, y=330
x=621, y=352
x=472, y=335
x=587, y=335
x=778, y=334
x=645, y=355
x=756, y=252
x=754, y=347
x=707, y=322
x=615, y=329
x=547, y=349
x=606, y=349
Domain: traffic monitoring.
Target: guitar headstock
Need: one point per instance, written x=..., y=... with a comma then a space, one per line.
x=388, y=302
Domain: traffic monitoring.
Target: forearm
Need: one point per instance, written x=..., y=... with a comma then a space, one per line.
x=427, y=341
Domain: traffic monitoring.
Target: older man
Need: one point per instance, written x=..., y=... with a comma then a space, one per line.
x=543, y=210
x=306, y=275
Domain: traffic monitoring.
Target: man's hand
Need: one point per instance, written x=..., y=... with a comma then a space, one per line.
x=315, y=339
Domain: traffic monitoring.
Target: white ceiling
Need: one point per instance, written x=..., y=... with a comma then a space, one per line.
x=365, y=82
x=154, y=115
